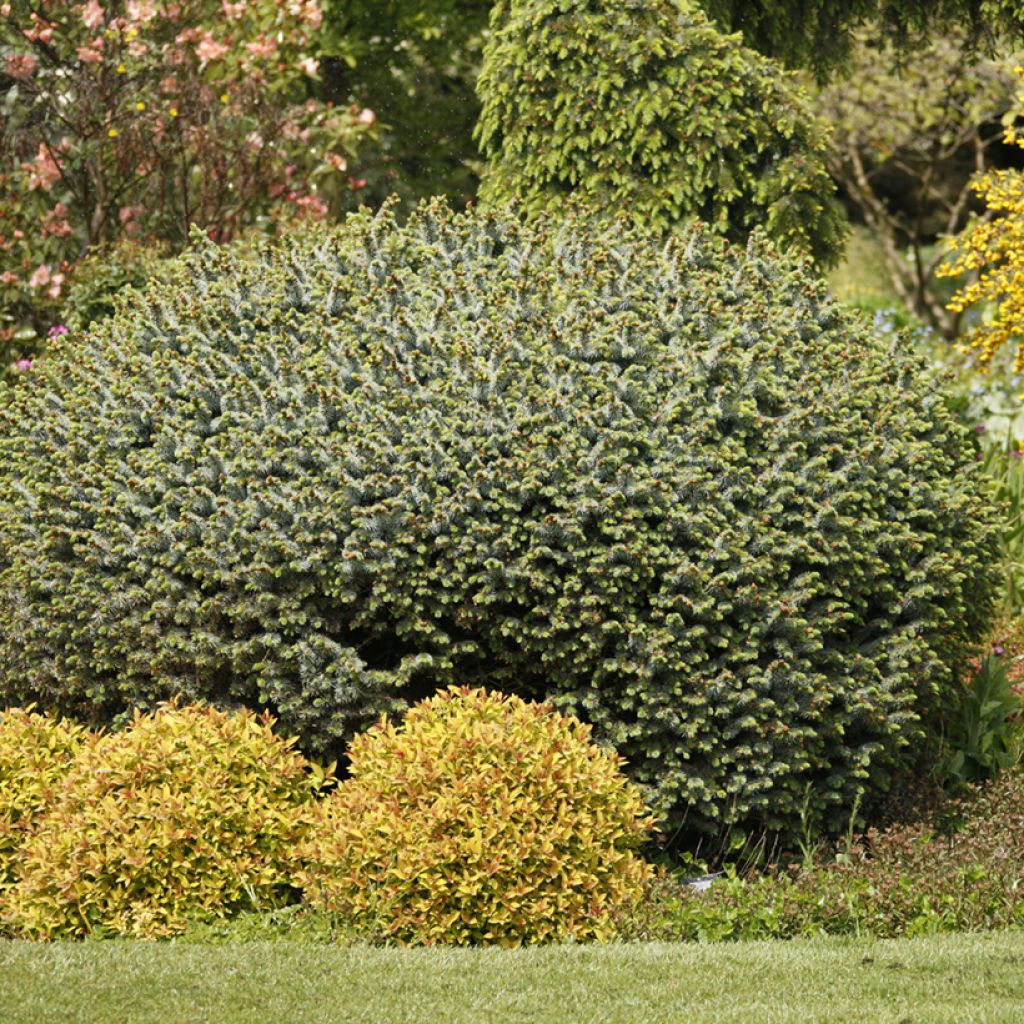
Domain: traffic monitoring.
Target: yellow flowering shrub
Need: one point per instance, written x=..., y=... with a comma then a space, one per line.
x=189, y=814
x=992, y=251
x=480, y=819
x=36, y=753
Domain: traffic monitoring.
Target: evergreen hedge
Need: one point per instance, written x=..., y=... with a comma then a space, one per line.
x=678, y=491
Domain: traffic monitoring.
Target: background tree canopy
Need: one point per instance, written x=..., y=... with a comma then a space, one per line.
x=414, y=63
x=819, y=33
x=910, y=132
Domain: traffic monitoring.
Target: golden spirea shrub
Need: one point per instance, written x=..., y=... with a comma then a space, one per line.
x=480, y=819
x=190, y=813
x=36, y=753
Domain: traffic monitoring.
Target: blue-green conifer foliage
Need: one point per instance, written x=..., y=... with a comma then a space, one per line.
x=677, y=490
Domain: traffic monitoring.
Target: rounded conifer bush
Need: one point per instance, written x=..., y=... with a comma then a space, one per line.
x=676, y=490
x=480, y=820
x=645, y=107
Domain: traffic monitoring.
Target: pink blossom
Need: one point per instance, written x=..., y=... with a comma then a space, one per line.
x=312, y=205
x=232, y=11
x=140, y=10
x=91, y=54
x=262, y=47
x=92, y=14
x=56, y=222
x=309, y=66
x=40, y=276
x=57, y=330
x=8, y=277
x=21, y=66
x=357, y=183
x=211, y=49
x=23, y=365
x=312, y=14
x=44, y=171
x=367, y=116
x=338, y=162
x=40, y=32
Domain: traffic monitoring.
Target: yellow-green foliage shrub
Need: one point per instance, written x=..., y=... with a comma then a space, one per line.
x=36, y=753
x=480, y=819
x=189, y=814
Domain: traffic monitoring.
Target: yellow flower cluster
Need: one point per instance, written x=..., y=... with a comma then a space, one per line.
x=993, y=250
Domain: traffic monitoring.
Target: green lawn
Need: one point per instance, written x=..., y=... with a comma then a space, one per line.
x=962, y=979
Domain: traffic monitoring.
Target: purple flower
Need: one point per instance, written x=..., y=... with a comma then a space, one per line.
x=56, y=331
x=1018, y=454
x=998, y=649
x=24, y=365
x=980, y=428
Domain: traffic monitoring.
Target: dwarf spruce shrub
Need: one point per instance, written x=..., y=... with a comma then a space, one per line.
x=480, y=820
x=188, y=814
x=644, y=106
x=674, y=489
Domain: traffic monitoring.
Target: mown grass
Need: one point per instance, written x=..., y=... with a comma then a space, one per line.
x=958, y=979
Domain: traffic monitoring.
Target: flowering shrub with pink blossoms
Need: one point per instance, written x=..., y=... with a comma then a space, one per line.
x=141, y=118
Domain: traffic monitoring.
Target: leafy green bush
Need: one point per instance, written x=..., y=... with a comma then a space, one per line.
x=103, y=277
x=480, y=820
x=1003, y=465
x=190, y=813
x=676, y=121
x=986, y=735
x=36, y=752
x=677, y=490
x=100, y=281
x=907, y=880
